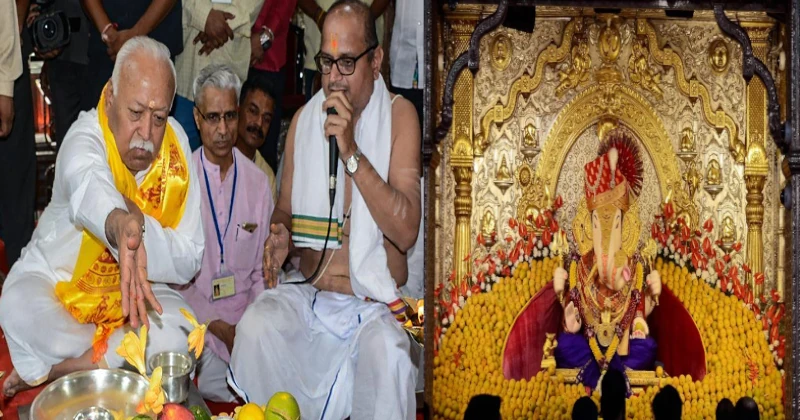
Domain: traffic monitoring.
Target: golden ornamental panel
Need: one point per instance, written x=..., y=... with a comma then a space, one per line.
x=537, y=111
x=630, y=109
x=527, y=83
x=693, y=88
x=665, y=64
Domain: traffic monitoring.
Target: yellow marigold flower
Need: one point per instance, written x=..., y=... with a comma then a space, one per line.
x=154, y=397
x=132, y=349
x=198, y=335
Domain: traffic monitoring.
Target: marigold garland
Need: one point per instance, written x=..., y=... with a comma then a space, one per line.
x=744, y=348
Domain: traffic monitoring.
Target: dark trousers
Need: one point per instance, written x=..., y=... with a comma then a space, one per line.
x=97, y=74
x=275, y=82
x=66, y=79
x=18, y=167
x=308, y=82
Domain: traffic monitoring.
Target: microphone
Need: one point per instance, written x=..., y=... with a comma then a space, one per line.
x=334, y=160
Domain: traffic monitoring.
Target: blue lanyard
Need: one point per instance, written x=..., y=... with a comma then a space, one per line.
x=220, y=236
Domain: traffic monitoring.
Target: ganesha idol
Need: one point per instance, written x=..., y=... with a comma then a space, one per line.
x=606, y=302
x=608, y=311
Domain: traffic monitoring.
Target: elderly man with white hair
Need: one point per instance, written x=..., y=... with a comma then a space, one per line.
x=124, y=221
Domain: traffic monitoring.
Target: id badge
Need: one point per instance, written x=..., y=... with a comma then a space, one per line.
x=223, y=286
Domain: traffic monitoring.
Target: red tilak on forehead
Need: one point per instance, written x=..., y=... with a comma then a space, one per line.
x=335, y=45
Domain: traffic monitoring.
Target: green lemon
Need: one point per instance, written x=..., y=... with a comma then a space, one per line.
x=282, y=406
x=199, y=413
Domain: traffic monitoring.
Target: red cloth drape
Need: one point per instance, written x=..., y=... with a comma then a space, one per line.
x=680, y=347
x=523, y=353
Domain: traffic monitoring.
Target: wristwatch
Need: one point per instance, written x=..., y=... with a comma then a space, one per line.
x=351, y=164
x=266, y=38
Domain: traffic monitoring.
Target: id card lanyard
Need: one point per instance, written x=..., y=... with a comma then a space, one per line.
x=220, y=235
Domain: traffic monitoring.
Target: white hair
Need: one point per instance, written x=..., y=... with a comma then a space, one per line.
x=147, y=46
x=219, y=76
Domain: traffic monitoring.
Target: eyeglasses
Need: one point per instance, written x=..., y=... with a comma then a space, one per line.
x=214, y=118
x=346, y=65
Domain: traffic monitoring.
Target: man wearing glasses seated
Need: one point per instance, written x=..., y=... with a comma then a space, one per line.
x=334, y=340
x=236, y=208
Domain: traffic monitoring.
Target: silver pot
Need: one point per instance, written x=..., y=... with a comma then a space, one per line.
x=175, y=371
x=89, y=395
x=94, y=413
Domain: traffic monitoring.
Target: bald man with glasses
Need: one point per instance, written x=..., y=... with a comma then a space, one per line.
x=335, y=340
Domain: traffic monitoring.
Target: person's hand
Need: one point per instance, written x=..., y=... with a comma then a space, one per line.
x=560, y=276
x=276, y=249
x=110, y=36
x=256, y=50
x=340, y=125
x=217, y=28
x=6, y=115
x=654, y=283
x=48, y=55
x=224, y=331
x=134, y=286
x=572, y=318
x=209, y=44
x=33, y=12
x=640, y=329
x=116, y=39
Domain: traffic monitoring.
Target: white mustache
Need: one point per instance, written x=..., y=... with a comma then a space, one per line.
x=143, y=144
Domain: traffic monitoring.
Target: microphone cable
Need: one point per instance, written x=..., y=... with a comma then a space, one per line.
x=334, y=153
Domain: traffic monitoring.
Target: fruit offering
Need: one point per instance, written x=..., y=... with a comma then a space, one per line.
x=282, y=406
x=250, y=411
x=199, y=413
x=175, y=412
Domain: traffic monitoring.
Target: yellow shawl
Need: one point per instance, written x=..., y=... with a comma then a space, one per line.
x=93, y=294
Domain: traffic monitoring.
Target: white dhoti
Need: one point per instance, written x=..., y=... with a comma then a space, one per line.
x=212, y=374
x=41, y=333
x=337, y=355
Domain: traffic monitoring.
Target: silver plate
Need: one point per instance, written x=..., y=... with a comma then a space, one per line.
x=118, y=391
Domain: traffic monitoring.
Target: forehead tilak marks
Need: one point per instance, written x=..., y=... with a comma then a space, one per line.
x=335, y=45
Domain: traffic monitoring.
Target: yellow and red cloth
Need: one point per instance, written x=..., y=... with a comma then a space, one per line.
x=93, y=294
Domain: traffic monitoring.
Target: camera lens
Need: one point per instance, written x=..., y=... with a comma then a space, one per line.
x=49, y=29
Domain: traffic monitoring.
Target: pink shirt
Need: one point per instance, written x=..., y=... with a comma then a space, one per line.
x=243, y=250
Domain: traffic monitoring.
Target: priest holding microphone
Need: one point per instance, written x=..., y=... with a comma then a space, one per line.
x=332, y=339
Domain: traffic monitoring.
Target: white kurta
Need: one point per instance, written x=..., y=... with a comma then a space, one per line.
x=39, y=330
x=338, y=355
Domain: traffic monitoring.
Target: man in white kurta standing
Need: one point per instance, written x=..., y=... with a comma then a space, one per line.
x=338, y=353
x=125, y=212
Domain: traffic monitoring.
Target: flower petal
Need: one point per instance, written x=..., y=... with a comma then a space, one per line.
x=132, y=349
x=188, y=315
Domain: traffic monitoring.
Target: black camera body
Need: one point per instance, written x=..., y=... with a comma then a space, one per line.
x=51, y=29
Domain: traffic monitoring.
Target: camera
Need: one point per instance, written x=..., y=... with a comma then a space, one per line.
x=51, y=29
